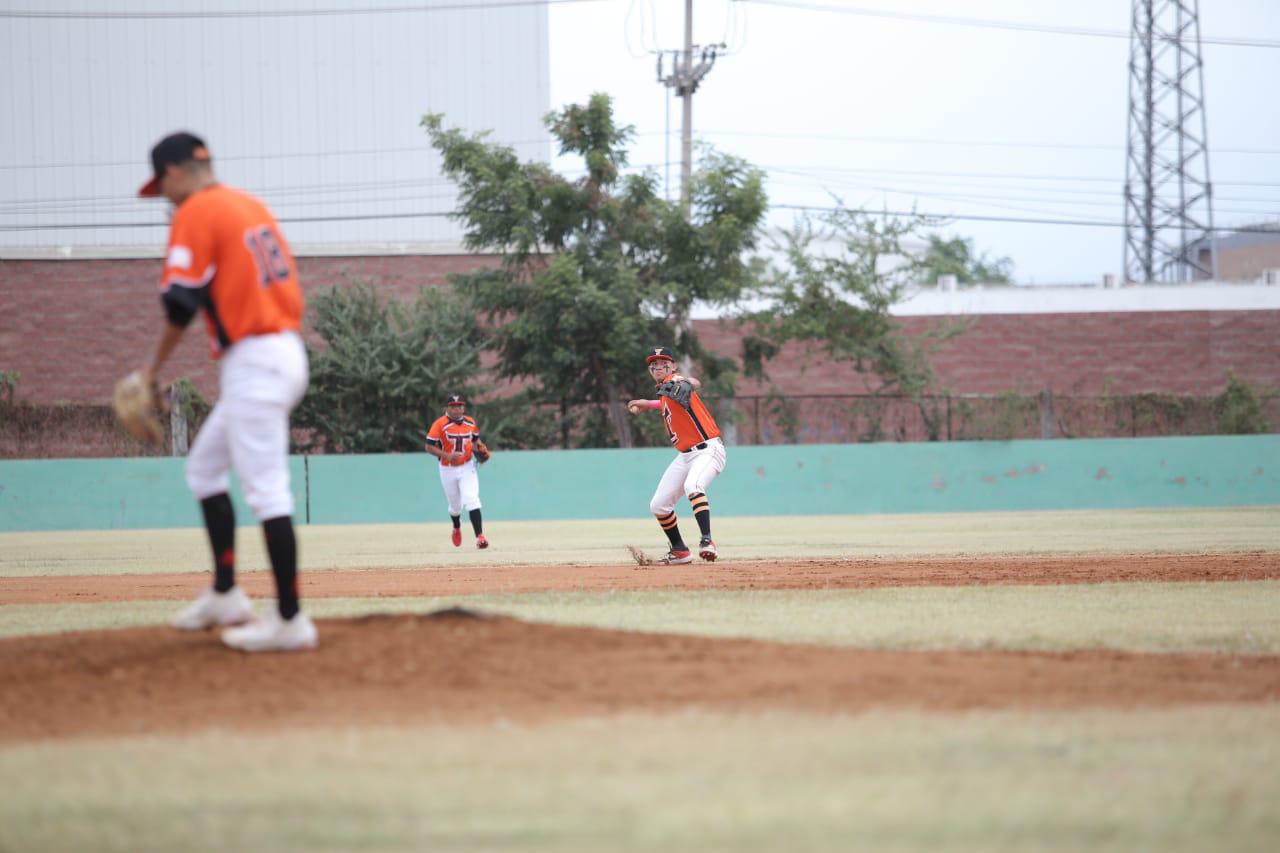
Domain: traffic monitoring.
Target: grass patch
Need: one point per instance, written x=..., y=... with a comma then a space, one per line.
x=1176, y=617
x=596, y=542
x=1187, y=779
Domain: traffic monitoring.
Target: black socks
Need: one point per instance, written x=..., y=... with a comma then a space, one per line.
x=283, y=550
x=220, y=521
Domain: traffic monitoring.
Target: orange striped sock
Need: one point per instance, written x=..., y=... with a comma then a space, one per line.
x=671, y=526
x=701, y=511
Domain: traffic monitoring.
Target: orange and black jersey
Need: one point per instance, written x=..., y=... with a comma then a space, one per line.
x=226, y=255
x=691, y=426
x=459, y=435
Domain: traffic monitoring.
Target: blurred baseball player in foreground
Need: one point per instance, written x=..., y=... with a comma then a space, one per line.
x=227, y=258
x=454, y=439
x=700, y=459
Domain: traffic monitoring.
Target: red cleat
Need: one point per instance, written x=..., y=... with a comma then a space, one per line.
x=456, y=538
x=481, y=542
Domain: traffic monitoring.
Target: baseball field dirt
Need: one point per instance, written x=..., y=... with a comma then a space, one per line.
x=736, y=575
x=459, y=664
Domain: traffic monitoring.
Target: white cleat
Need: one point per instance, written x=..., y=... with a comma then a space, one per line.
x=273, y=634
x=212, y=609
x=676, y=558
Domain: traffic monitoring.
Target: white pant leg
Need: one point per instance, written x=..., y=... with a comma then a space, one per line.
x=706, y=465
x=209, y=460
x=671, y=486
x=260, y=456
x=263, y=379
x=469, y=485
x=452, y=492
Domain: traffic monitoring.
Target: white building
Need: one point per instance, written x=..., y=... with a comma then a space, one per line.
x=316, y=112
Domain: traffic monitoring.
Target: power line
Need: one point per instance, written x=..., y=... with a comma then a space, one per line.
x=977, y=143
x=80, y=226
x=976, y=183
x=1007, y=176
x=1092, y=223
x=985, y=23
x=702, y=136
x=912, y=179
x=983, y=199
x=1095, y=223
x=279, y=13
x=140, y=163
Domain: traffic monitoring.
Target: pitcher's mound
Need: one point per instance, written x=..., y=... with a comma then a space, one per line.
x=460, y=666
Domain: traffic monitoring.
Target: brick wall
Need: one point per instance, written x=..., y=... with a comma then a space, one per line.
x=71, y=328
x=1183, y=352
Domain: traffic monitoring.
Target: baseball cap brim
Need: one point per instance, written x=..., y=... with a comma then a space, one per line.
x=651, y=359
x=174, y=150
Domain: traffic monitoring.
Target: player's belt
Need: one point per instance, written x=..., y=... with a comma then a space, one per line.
x=702, y=446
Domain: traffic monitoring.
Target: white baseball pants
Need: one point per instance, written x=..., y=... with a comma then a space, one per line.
x=688, y=473
x=263, y=378
x=461, y=486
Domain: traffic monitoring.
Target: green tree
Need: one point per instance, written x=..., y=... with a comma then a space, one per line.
x=1238, y=409
x=385, y=367
x=957, y=257
x=596, y=270
x=8, y=385
x=837, y=304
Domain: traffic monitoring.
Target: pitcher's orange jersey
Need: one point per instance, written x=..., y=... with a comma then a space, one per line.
x=457, y=436
x=226, y=255
x=691, y=426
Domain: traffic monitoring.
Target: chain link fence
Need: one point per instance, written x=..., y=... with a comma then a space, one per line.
x=70, y=431
x=844, y=419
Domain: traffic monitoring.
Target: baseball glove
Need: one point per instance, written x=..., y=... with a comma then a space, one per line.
x=138, y=407
x=679, y=390
x=482, y=453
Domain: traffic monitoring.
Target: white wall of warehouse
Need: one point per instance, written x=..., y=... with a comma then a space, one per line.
x=317, y=113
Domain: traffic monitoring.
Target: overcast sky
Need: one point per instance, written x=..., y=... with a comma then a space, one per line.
x=953, y=119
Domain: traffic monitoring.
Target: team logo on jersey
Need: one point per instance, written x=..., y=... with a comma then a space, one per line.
x=180, y=257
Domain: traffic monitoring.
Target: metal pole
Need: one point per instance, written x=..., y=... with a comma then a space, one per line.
x=686, y=132
x=1204, y=137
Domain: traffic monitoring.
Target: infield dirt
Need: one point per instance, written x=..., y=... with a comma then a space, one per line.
x=462, y=666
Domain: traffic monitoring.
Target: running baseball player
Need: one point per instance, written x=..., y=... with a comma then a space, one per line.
x=227, y=258
x=699, y=459
x=454, y=439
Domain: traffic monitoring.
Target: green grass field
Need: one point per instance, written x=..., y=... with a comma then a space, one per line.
x=1191, y=778
x=604, y=542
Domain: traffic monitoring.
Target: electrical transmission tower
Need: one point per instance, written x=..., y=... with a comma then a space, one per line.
x=1168, y=199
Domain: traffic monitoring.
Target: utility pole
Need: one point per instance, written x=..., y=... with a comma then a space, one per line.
x=684, y=78
x=1168, y=198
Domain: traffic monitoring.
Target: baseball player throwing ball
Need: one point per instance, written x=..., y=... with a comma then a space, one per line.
x=700, y=457
x=228, y=261
x=454, y=439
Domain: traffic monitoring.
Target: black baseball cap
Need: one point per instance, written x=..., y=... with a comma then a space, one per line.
x=660, y=354
x=176, y=148
x=456, y=400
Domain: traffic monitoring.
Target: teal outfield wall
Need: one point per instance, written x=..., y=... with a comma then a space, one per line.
x=778, y=480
